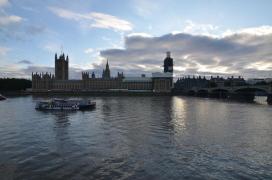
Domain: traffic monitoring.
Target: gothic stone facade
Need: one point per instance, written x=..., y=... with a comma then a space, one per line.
x=59, y=81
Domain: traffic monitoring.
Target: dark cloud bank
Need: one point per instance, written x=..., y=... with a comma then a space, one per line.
x=238, y=54
x=24, y=62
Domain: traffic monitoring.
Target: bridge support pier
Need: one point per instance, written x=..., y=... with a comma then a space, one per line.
x=202, y=94
x=269, y=99
x=242, y=96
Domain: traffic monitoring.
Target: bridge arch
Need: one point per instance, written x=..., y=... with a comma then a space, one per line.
x=191, y=92
x=202, y=93
x=254, y=90
x=219, y=93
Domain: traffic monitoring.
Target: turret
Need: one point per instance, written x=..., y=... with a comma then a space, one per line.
x=93, y=75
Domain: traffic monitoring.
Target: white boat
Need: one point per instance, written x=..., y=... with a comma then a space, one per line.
x=61, y=104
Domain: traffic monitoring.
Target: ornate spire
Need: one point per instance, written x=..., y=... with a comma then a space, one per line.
x=168, y=54
x=107, y=65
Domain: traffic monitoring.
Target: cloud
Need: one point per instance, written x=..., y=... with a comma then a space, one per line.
x=197, y=28
x=5, y=18
x=257, y=31
x=16, y=27
x=89, y=51
x=211, y=30
x=237, y=54
x=139, y=34
x=93, y=53
x=4, y=50
x=9, y=19
x=3, y=3
x=17, y=71
x=24, y=62
x=94, y=19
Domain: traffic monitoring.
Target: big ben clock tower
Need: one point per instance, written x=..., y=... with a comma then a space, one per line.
x=168, y=63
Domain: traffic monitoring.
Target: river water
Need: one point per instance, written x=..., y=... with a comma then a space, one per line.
x=137, y=138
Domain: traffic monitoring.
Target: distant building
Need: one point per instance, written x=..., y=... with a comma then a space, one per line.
x=259, y=81
x=217, y=81
x=187, y=83
x=162, y=82
x=190, y=83
x=232, y=81
x=159, y=82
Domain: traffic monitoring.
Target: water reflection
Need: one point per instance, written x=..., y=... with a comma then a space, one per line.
x=179, y=113
x=62, y=118
x=138, y=138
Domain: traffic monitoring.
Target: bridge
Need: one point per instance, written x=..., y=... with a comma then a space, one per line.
x=267, y=89
x=246, y=92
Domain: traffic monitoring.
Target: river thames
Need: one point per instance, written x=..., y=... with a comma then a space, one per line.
x=137, y=138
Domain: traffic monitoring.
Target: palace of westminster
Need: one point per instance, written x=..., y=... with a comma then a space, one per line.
x=159, y=82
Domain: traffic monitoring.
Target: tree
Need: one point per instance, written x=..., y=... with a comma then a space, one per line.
x=12, y=84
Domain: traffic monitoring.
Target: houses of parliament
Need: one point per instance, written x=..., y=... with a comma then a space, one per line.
x=159, y=82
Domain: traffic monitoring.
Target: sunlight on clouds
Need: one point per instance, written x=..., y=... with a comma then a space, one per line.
x=176, y=32
x=141, y=66
x=179, y=68
x=93, y=53
x=215, y=69
x=94, y=19
x=260, y=65
x=200, y=29
x=139, y=34
x=193, y=54
x=109, y=22
x=257, y=31
x=12, y=70
x=217, y=32
x=186, y=56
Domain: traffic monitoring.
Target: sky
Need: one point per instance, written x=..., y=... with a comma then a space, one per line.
x=205, y=37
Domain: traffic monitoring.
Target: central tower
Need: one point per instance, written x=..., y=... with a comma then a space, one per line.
x=106, y=72
x=61, y=67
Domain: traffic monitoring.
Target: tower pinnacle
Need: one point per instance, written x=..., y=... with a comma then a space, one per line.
x=106, y=71
x=168, y=63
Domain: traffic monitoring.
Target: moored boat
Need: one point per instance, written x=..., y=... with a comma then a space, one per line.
x=2, y=97
x=61, y=104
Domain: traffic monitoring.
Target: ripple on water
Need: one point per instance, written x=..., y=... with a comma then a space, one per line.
x=137, y=138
